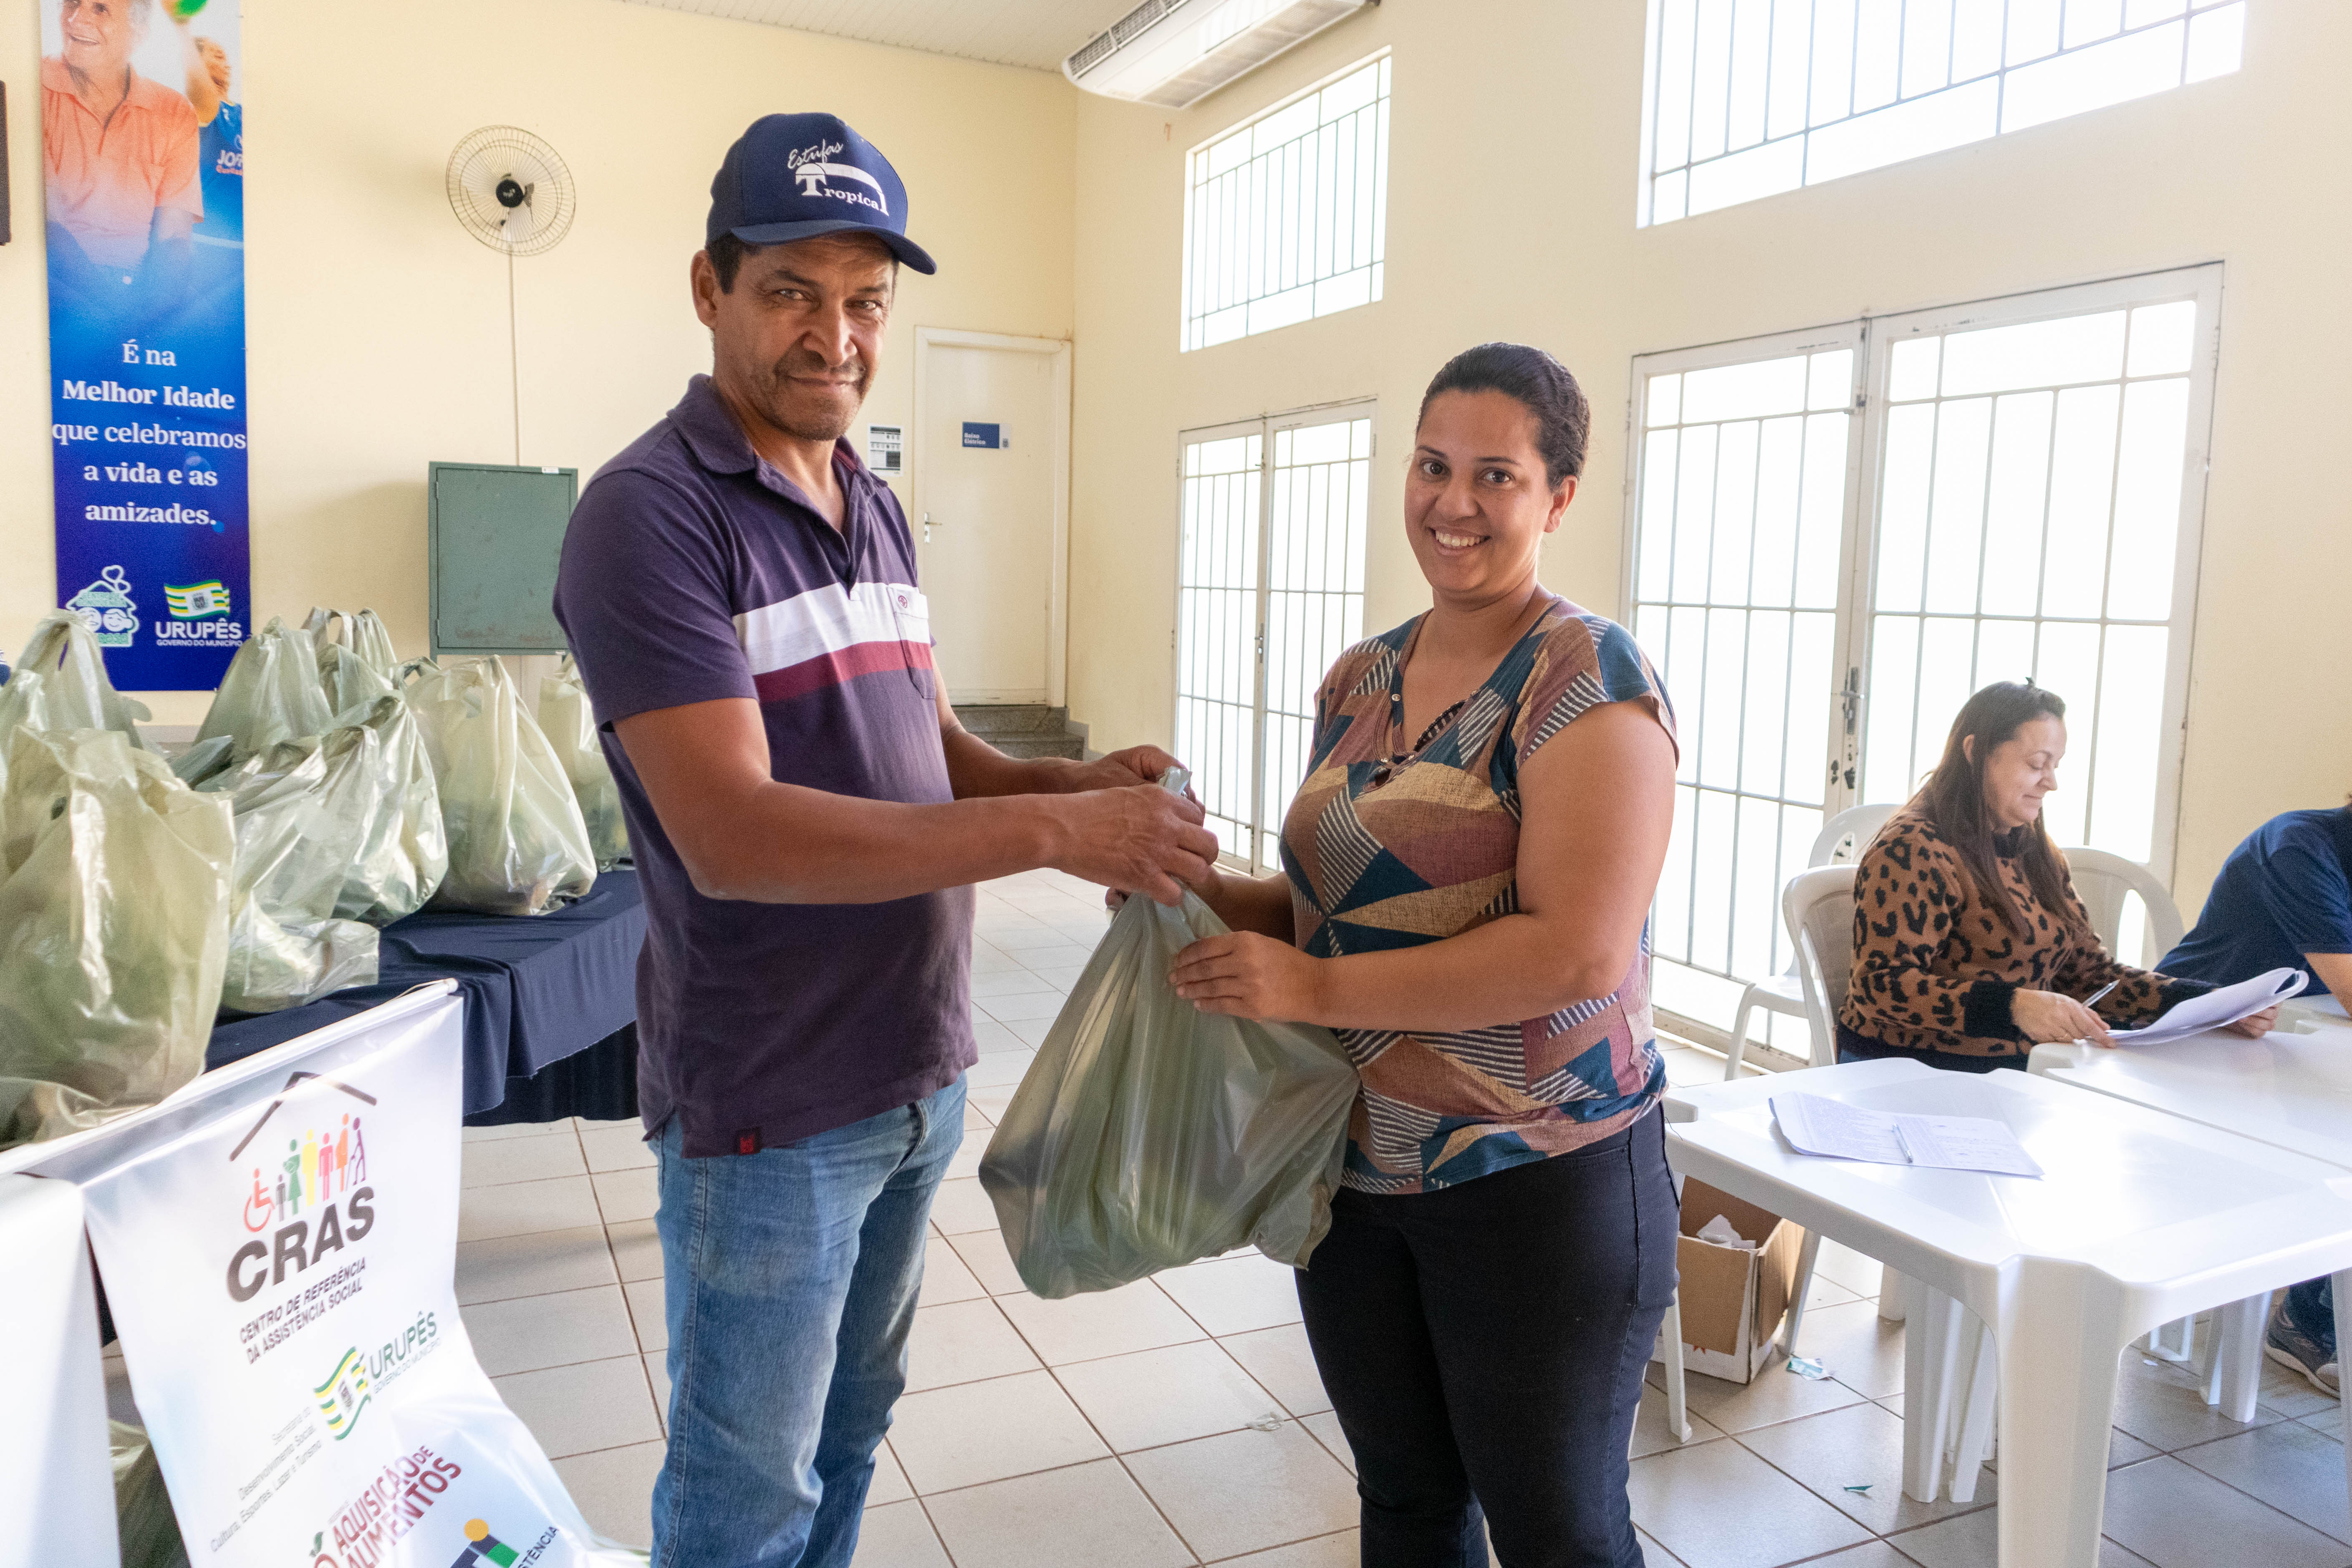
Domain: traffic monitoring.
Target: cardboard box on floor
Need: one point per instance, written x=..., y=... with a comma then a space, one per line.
x=1732, y=1299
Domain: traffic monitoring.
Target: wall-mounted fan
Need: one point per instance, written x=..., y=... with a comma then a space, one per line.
x=512, y=191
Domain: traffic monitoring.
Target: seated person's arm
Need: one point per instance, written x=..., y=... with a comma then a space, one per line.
x=2303, y=889
x=2334, y=971
x=742, y=835
x=1597, y=810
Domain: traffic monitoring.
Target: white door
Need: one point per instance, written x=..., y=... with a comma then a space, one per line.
x=1269, y=591
x=990, y=460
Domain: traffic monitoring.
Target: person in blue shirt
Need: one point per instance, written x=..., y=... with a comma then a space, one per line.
x=2284, y=900
x=220, y=149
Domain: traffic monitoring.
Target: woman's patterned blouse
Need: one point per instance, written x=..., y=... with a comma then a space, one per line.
x=1384, y=855
x=1935, y=966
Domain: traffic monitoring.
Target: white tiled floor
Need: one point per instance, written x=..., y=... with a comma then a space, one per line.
x=1180, y=1420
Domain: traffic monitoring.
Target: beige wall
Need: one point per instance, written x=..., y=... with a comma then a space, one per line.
x=378, y=328
x=1513, y=151
x=377, y=333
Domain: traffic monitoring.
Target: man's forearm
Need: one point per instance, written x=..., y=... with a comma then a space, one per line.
x=788, y=845
x=978, y=769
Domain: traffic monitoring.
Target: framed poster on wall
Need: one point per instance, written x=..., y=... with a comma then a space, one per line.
x=146, y=267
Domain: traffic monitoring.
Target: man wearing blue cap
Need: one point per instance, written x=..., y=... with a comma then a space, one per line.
x=807, y=819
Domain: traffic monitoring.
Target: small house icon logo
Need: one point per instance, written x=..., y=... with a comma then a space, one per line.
x=107, y=609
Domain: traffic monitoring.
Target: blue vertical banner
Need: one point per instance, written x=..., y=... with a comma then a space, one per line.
x=142, y=145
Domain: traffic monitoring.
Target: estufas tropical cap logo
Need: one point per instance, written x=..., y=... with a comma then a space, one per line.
x=810, y=168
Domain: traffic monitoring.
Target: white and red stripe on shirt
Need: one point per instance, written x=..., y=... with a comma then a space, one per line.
x=831, y=634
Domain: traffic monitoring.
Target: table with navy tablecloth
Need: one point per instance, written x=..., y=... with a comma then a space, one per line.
x=550, y=1003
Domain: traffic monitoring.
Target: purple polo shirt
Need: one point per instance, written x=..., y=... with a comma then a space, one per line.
x=693, y=570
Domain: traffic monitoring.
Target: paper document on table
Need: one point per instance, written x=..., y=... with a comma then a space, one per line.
x=2215, y=1008
x=1833, y=1129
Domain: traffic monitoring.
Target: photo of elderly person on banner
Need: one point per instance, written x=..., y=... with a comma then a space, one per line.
x=131, y=101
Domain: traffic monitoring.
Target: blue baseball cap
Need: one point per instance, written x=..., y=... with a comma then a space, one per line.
x=796, y=176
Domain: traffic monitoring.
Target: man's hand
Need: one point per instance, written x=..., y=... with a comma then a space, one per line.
x=1121, y=770
x=1247, y=976
x=1137, y=836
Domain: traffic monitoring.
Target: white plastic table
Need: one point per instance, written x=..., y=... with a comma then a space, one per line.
x=2289, y=1090
x=2140, y=1218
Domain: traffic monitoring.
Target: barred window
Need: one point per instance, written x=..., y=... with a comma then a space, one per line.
x=1749, y=97
x=1286, y=217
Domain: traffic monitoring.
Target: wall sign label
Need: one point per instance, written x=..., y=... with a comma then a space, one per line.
x=989, y=436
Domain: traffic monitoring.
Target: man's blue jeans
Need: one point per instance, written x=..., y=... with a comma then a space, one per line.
x=792, y=1277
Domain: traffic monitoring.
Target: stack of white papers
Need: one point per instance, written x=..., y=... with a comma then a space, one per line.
x=1836, y=1131
x=2215, y=1008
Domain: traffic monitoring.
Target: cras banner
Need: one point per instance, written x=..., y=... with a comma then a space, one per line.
x=281, y=1271
x=143, y=145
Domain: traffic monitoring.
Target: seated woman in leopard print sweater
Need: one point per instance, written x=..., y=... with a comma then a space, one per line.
x=1969, y=946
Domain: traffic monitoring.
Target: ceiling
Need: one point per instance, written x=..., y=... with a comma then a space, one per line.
x=1039, y=33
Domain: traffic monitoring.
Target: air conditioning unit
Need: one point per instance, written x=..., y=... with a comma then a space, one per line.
x=1175, y=53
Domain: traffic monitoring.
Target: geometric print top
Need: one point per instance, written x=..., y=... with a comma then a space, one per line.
x=1383, y=854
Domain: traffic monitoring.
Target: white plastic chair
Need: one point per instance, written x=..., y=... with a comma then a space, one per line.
x=1842, y=838
x=1817, y=906
x=1953, y=1367
x=2103, y=881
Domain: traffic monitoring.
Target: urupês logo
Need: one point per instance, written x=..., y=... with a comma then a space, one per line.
x=345, y=1393
x=313, y=1200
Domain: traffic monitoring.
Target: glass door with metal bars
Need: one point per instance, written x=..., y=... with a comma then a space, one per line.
x=1835, y=536
x=1269, y=591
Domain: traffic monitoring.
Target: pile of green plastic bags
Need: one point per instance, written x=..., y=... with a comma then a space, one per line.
x=331, y=791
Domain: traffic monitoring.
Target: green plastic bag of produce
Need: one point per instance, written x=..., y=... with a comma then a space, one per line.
x=144, y=1520
x=570, y=724
x=405, y=851
x=114, y=897
x=271, y=693
x=363, y=634
x=1147, y=1135
x=518, y=844
x=303, y=810
x=349, y=680
x=60, y=684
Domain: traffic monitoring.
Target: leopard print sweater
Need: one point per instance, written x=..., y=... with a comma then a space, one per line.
x=1935, y=966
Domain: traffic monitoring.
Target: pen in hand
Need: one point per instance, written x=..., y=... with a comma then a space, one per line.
x=2092, y=999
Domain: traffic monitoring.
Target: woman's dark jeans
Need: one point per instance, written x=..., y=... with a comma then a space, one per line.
x=1484, y=1345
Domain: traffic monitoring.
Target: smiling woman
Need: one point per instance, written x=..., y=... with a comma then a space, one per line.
x=1468, y=865
x=1969, y=946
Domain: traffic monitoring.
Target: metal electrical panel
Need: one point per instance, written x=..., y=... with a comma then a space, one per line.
x=495, y=536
